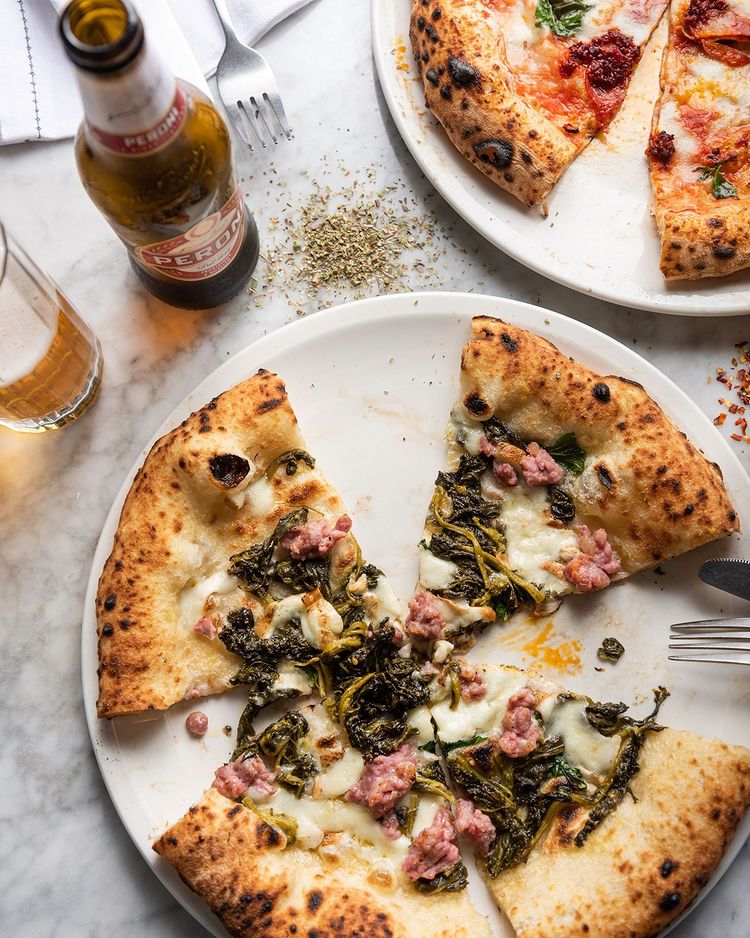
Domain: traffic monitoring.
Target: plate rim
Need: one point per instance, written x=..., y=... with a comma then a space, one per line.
x=320, y=323
x=518, y=246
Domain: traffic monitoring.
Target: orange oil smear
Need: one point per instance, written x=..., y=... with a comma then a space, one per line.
x=564, y=657
x=400, y=54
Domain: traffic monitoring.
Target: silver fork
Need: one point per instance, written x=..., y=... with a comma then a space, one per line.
x=723, y=641
x=247, y=86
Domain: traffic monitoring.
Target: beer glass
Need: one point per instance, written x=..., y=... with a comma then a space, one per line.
x=50, y=361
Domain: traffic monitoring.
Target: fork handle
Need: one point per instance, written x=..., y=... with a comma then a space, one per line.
x=226, y=23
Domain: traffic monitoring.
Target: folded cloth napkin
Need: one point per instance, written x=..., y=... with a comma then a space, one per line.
x=38, y=93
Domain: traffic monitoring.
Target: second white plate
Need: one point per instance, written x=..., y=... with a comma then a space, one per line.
x=599, y=236
x=372, y=384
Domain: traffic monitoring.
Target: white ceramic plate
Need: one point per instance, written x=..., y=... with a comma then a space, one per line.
x=372, y=384
x=599, y=236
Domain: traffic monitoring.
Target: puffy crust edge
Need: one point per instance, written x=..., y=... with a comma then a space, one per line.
x=694, y=245
x=145, y=660
x=534, y=152
x=237, y=863
x=542, y=393
x=648, y=861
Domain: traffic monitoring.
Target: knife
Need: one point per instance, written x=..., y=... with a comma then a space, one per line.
x=728, y=574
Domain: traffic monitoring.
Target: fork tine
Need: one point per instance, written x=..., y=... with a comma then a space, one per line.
x=705, y=640
x=260, y=109
x=276, y=105
x=684, y=645
x=249, y=111
x=710, y=660
x=707, y=625
x=236, y=118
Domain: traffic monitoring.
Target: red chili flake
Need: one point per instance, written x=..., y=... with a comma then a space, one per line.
x=719, y=420
x=735, y=436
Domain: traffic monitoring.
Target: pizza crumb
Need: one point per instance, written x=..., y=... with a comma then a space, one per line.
x=737, y=380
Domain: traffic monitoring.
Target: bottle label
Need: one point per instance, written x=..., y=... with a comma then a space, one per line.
x=205, y=250
x=145, y=141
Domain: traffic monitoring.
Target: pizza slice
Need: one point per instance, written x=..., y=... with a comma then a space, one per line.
x=699, y=150
x=521, y=87
x=585, y=820
x=558, y=481
x=233, y=558
x=298, y=835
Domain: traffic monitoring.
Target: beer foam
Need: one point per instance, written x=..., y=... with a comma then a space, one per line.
x=27, y=327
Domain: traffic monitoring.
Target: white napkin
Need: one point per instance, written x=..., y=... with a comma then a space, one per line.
x=38, y=93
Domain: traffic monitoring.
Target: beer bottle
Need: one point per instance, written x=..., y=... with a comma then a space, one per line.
x=155, y=157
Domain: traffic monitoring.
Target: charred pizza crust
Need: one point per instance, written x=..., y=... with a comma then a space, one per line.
x=642, y=459
x=195, y=501
x=469, y=89
x=648, y=860
x=257, y=885
x=701, y=236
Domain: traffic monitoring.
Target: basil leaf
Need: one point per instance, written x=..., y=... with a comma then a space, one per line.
x=568, y=452
x=563, y=17
x=721, y=188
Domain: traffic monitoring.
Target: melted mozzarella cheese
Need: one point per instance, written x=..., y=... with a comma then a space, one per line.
x=530, y=539
x=460, y=615
x=478, y=717
x=465, y=431
x=318, y=619
x=427, y=808
x=584, y=746
x=421, y=720
x=291, y=678
x=339, y=777
x=317, y=817
x=192, y=599
x=434, y=572
x=381, y=603
x=259, y=498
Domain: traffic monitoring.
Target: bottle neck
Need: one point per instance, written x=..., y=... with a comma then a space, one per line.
x=134, y=111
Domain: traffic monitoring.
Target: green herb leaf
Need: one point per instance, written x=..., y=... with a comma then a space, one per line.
x=290, y=461
x=461, y=744
x=611, y=650
x=453, y=879
x=563, y=17
x=568, y=452
x=561, y=504
x=721, y=188
x=561, y=768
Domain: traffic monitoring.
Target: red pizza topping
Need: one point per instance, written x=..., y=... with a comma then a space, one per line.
x=661, y=148
x=385, y=781
x=315, y=538
x=433, y=850
x=520, y=733
x=608, y=62
x=196, y=723
x=424, y=619
x=539, y=468
x=700, y=12
x=473, y=684
x=475, y=824
x=727, y=54
x=245, y=777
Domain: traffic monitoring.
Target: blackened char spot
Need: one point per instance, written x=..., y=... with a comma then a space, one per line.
x=229, y=469
x=109, y=602
x=315, y=900
x=667, y=868
x=724, y=251
x=431, y=32
x=497, y=152
x=108, y=630
x=464, y=75
x=432, y=76
x=475, y=405
x=669, y=901
x=601, y=392
x=269, y=404
x=604, y=477
x=509, y=343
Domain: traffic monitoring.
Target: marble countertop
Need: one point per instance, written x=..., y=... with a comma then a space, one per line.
x=69, y=867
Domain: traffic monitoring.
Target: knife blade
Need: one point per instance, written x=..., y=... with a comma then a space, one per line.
x=728, y=574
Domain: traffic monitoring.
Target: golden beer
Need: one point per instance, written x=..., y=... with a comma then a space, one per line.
x=155, y=157
x=50, y=362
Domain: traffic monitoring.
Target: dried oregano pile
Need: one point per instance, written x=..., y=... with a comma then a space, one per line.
x=358, y=241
